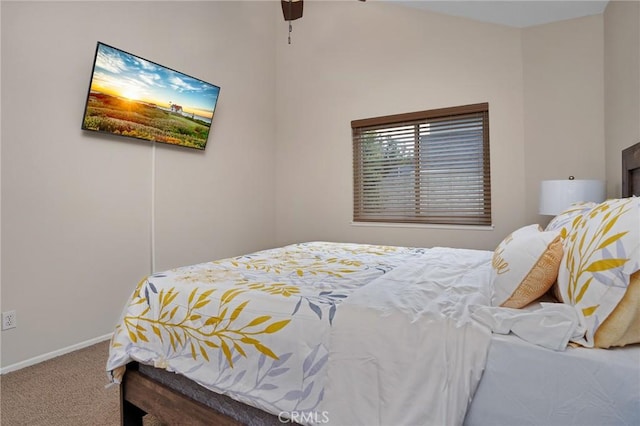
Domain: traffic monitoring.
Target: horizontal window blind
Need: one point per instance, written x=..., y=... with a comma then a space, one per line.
x=427, y=167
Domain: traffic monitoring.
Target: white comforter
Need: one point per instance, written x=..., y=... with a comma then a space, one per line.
x=344, y=334
x=404, y=350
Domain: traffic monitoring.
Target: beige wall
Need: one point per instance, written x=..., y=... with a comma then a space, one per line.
x=76, y=207
x=622, y=85
x=563, y=104
x=355, y=60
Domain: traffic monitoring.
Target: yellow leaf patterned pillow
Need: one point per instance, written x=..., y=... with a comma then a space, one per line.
x=563, y=221
x=602, y=252
x=525, y=266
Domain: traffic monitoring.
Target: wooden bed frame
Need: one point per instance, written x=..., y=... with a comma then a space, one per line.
x=140, y=394
x=176, y=400
x=631, y=171
x=171, y=400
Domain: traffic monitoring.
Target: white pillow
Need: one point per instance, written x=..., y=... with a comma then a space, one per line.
x=599, y=274
x=525, y=266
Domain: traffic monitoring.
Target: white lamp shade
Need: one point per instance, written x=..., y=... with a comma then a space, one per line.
x=557, y=195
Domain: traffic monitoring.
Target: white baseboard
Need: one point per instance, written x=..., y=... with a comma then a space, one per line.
x=51, y=355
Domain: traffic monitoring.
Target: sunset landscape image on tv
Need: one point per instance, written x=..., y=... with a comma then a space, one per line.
x=134, y=97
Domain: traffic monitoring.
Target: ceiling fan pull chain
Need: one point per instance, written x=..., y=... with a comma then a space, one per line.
x=290, y=27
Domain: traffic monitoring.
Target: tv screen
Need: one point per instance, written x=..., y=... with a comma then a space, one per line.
x=131, y=96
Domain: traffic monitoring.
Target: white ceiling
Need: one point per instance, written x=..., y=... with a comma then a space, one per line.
x=514, y=13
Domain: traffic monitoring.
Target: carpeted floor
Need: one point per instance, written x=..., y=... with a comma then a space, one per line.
x=66, y=391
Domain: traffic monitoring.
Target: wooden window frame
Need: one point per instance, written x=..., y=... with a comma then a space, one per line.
x=366, y=210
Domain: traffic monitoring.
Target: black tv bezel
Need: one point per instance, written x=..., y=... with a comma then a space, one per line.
x=86, y=105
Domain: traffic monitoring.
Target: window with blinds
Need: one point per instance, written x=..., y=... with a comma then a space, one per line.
x=428, y=167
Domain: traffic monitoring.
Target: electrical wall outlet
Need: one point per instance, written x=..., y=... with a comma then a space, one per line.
x=9, y=320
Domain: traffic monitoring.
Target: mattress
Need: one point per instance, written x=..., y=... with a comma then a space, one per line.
x=526, y=384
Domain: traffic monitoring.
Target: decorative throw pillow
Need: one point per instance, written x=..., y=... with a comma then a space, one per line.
x=564, y=220
x=525, y=266
x=602, y=252
x=622, y=326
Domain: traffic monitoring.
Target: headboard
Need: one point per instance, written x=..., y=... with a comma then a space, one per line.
x=631, y=171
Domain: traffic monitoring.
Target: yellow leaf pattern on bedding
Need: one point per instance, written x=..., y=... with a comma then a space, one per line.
x=612, y=240
x=219, y=331
x=602, y=252
x=583, y=290
x=604, y=264
x=250, y=324
x=580, y=257
x=276, y=326
x=275, y=288
x=236, y=308
x=589, y=311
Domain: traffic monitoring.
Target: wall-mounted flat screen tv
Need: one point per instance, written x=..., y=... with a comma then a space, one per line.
x=131, y=96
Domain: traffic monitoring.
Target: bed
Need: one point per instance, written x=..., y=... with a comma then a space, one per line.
x=342, y=334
